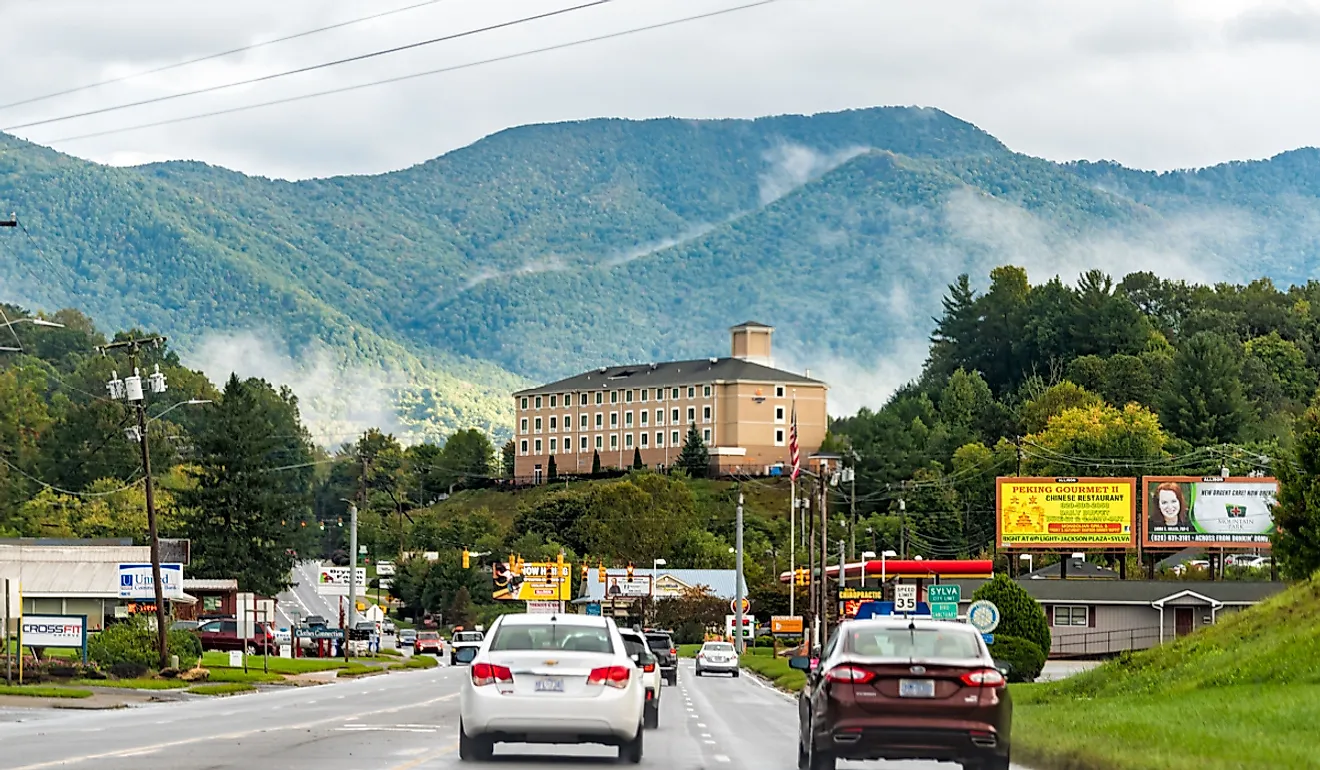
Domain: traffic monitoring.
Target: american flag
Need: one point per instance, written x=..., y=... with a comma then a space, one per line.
x=793, y=447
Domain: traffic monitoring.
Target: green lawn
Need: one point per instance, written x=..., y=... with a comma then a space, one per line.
x=688, y=650
x=228, y=688
x=36, y=691
x=764, y=662
x=214, y=660
x=420, y=661
x=233, y=675
x=135, y=684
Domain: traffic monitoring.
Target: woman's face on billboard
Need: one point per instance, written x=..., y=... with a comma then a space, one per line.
x=1169, y=506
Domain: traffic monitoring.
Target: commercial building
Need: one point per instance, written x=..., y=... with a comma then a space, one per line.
x=741, y=405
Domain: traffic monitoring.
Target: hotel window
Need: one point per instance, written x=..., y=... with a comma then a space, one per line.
x=583, y=422
x=779, y=391
x=567, y=423
x=553, y=446
x=705, y=415
x=1070, y=616
x=523, y=447
x=673, y=416
x=779, y=436
x=538, y=424
x=568, y=445
x=524, y=402
x=645, y=417
x=554, y=421
x=614, y=396
x=659, y=394
x=705, y=435
x=614, y=419
x=599, y=442
x=673, y=438
x=779, y=414
x=583, y=400
x=538, y=446
x=673, y=393
x=522, y=425
x=646, y=440
x=599, y=417
x=692, y=414
x=583, y=443
x=554, y=401
x=627, y=441
x=643, y=393
x=692, y=393
x=659, y=438
x=600, y=398
x=627, y=419
x=627, y=397
x=705, y=393
x=614, y=441
x=659, y=417
x=538, y=402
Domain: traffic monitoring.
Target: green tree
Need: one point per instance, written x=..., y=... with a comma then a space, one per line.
x=552, y=470
x=695, y=459
x=1019, y=614
x=1037, y=412
x=1285, y=363
x=1127, y=380
x=460, y=611
x=595, y=463
x=1296, y=537
x=509, y=455
x=637, y=463
x=469, y=455
x=235, y=509
x=1202, y=402
x=1096, y=441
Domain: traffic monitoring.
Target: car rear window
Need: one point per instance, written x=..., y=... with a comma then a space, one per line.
x=658, y=641
x=718, y=647
x=428, y=635
x=468, y=636
x=551, y=636
x=911, y=643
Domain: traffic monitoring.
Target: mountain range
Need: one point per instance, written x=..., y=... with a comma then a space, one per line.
x=420, y=298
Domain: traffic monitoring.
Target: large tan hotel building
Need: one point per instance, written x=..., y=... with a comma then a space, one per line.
x=742, y=406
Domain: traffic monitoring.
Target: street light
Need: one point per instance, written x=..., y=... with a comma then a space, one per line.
x=884, y=574
x=655, y=564
x=35, y=322
x=865, y=556
x=189, y=402
x=1031, y=567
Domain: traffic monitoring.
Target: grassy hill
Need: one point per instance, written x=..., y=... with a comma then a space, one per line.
x=543, y=250
x=1241, y=693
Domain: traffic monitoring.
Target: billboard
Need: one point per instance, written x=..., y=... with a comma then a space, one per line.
x=333, y=581
x=1064, y=513
x=135, y=581
x=624, y=587
x=533, y=581
x=1185, y=511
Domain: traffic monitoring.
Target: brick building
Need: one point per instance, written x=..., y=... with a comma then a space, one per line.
x=741, y=405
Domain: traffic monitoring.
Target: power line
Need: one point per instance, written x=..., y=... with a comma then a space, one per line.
x=54, y=488
x=222, y=54
x=311, y=67
x=401, y=78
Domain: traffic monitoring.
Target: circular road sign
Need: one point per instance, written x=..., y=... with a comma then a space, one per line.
x=984, y=615
x=747, y=606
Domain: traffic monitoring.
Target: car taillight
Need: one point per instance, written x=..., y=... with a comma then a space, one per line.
x=489, y=673
x=611, y=676
x=985, y=677
x=849, y=674
x=649, y=667
x=673, y=650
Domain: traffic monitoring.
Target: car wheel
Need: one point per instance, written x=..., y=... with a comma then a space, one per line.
x=474, y=749
x=252, y=650
x=631, y=752
x=735, y=673
x=819, y=760
x=651, y=714
x=698, y=672
x=803, y=760
x=994, y=763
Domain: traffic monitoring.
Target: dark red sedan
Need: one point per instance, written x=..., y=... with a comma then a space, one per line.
x=894, y=688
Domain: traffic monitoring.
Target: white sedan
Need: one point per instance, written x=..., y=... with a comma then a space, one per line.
x=718, y=657
x=551, y=679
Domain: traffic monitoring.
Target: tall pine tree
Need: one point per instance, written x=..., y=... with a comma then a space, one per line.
x=239, y=502
x=1297, y=513
x=595, y=463
x=694, y=458
x=1202, y=401
x=637, y=459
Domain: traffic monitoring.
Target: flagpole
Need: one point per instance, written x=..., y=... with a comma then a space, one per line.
x=792, y=544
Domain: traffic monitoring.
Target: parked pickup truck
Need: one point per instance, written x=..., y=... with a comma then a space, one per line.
x=463, y=639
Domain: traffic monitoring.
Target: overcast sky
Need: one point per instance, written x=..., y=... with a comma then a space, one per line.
x=1150, y=83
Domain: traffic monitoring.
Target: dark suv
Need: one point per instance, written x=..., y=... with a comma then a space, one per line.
x=666, y=654
x=899, y=689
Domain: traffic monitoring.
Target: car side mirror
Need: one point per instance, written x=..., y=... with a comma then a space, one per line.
x=801, y=663
x=637, y=659
x=465, y=654
x=1003, y=666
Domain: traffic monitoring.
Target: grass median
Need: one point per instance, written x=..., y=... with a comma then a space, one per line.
x=227, y=688
x=220, y=660
x=763, y=662
x=141, y=683
x=39, y=691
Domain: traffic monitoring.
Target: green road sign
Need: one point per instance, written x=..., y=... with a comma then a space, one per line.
x=944, y=593
x=944, y=610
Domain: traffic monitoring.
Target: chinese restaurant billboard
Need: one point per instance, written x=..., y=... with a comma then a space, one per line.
x=1065, y=513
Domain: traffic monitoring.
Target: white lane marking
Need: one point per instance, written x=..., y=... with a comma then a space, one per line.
x=383, y=729
x=701, y=724
x=705, y=735
x=709, y=743
x=721, y=758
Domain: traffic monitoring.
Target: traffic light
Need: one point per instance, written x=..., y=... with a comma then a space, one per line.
x=600, y=570
x=467, y=559
x=585, y=572
x=630, y=570
x=800, y=576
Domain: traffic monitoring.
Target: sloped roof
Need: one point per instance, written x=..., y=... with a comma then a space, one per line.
x=74, y=572
x=670, y=374
x=721, y=582
x=210, y=584
x=1077, y=570
x=1134, y=591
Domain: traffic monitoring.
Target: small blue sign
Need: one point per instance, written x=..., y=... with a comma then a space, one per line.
x=880, y=609
x=593, y=610
x=989, y=638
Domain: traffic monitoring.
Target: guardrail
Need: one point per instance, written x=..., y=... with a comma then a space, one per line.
x=1093, y=643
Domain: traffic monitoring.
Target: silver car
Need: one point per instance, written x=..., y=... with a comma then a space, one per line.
x=717, y=657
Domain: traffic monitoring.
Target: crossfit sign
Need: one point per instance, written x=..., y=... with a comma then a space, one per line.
x=55, y=631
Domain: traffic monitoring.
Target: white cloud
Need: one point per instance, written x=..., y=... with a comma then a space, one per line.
x=338, y=402
x=855, y=384
x=792, y=165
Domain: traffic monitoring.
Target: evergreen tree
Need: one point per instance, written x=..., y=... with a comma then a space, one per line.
x=1202, y=402
x=460, y=609
x=508, y=459
x=637, y=458
x=1296, y=537
x=595, y=463
x=552, y=470
x=238, y=503
x=1019, y=615
x=694, y=458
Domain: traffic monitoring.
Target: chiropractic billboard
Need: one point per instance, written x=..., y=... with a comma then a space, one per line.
x=1186, y=511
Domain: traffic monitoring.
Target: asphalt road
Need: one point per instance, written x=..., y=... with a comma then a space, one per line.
x=401, y=721
x=304, y=599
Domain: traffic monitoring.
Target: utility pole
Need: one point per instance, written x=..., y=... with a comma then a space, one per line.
x=130, y=389
x=811, y=568
x=739, y=591
x=352, y=573
x=823, y=604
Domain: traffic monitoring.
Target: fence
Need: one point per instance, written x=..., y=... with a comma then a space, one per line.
x=1095, y=643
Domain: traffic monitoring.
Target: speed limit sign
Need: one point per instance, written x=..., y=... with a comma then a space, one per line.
x=905, y=598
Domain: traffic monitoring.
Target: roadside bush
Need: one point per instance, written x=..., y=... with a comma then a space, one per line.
x=1019, y=615
x=133, y=644
x=1025, y=658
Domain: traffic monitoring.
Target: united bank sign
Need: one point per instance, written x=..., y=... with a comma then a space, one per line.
x=135, y=581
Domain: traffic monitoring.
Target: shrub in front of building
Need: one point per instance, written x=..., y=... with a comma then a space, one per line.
x=1019, y=614
x=132, y=644
x=1024, y=657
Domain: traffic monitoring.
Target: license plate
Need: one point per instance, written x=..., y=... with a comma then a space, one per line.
x=916, y=688
x=549, y=684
